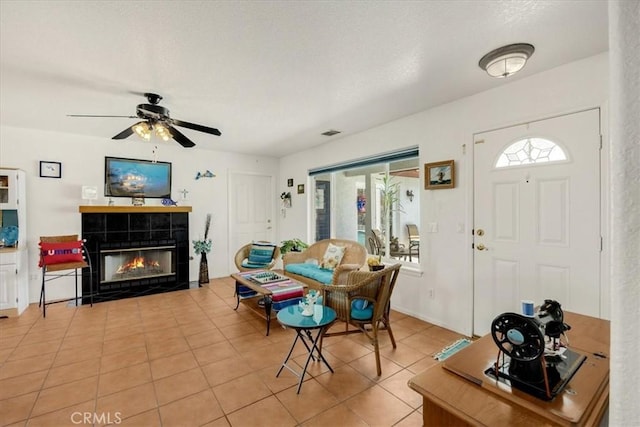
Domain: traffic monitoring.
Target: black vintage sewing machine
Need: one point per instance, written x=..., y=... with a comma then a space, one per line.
x=532, y=357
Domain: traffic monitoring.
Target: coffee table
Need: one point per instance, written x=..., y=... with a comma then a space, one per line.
x=322, y=318
x=284, y=292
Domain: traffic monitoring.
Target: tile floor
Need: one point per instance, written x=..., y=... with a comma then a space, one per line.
x=188, y=359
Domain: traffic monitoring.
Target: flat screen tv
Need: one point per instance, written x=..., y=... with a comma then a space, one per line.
x=136, y=178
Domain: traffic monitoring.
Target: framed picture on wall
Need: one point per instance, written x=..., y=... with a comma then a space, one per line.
x=300, y=188
x=50, y=169
x=439, y=175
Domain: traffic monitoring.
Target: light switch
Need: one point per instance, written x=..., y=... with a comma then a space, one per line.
x=460, y=228
x=432, y=227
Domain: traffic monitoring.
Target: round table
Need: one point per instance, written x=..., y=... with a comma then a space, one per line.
x=322, y=318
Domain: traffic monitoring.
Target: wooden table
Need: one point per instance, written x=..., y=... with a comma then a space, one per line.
x=457, y=392
x=264, y=292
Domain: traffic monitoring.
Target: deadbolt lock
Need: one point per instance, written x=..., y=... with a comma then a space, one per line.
x=480, y=232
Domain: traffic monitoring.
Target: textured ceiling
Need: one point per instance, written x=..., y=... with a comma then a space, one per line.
x=271, y=75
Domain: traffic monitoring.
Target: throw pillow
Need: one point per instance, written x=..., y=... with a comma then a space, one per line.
x=62, y=252
x=332, y=257
x=261, y=253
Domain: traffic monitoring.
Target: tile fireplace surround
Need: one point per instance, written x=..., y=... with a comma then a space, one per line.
x=135, y=229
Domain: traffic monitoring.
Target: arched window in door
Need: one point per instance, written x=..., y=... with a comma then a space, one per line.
x=531, y=151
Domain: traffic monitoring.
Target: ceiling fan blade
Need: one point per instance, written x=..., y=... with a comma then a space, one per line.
x=182, y=140
x=126, y=133
x=92, y=115
x=194, y=126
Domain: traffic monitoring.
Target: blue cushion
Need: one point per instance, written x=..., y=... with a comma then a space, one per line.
x=359, y=304
x=261, y=253
x=311, y=271
x=361, y=309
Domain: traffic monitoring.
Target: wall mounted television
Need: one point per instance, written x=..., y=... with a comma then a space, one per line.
x=136, y=178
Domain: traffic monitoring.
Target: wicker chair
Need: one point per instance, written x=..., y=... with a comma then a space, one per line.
x=243, y=254
x=374, y=287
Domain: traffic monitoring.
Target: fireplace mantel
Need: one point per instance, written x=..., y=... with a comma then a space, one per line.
x=133, y=209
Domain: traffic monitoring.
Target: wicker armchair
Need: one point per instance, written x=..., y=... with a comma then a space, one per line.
x=243, y=254
x=376, y=288
x=355, y=256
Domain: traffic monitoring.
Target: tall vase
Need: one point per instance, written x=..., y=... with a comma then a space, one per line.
x=204, y=269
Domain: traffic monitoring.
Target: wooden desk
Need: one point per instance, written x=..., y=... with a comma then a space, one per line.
x=475, y=399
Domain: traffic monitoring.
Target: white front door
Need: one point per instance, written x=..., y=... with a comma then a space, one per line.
x=537, y=217
x=251, y=210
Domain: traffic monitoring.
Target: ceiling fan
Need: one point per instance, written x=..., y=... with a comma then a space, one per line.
x=156, y=119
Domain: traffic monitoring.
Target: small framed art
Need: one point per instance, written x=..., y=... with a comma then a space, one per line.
x=290, y=182
x=439, y=175
x=300, y=188
x=50, y=169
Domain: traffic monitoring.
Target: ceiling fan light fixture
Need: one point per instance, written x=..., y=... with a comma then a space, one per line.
x=162, y=132
x=506, y=60
x=143, y=130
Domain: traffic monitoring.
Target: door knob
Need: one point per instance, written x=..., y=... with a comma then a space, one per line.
x=481, y=247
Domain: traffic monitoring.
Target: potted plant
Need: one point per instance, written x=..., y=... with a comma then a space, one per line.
x=286, y=199
x=295, y=245
x=203, y=247
x=375, y=263
x=390, y=194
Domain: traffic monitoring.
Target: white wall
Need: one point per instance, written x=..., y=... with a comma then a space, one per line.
x=442, y=133
x=624, y=27
x=53, y=203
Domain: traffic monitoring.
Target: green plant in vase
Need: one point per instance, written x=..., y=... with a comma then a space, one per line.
x=390, y=201
x=203, y=247
x=295, y=245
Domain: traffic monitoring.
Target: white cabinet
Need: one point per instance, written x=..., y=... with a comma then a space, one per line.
x=14, y=287
x=9, y=189
x=8, y=295
x=14, y=283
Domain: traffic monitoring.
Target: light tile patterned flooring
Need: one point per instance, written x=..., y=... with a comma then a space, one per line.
x=187, y=358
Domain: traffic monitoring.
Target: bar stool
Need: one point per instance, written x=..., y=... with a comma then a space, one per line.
x=62, y=256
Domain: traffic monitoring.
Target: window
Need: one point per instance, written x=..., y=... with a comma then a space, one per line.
x=368, y=200
x=531, y=151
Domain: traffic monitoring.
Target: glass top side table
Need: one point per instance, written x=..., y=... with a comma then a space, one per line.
x=322, y=318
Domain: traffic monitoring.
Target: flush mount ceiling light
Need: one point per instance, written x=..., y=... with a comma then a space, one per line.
x=506, y=60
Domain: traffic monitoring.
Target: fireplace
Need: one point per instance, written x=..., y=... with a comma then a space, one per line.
x=135, y=250
x=135, y=263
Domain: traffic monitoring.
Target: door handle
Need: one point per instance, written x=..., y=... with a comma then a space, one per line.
x=482, y=247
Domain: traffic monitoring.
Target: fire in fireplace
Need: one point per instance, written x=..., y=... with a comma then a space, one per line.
x=138, y=266
x=136, y=263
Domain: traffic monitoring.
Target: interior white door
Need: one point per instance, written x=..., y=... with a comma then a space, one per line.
x=537, y=224
x=251, y=210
